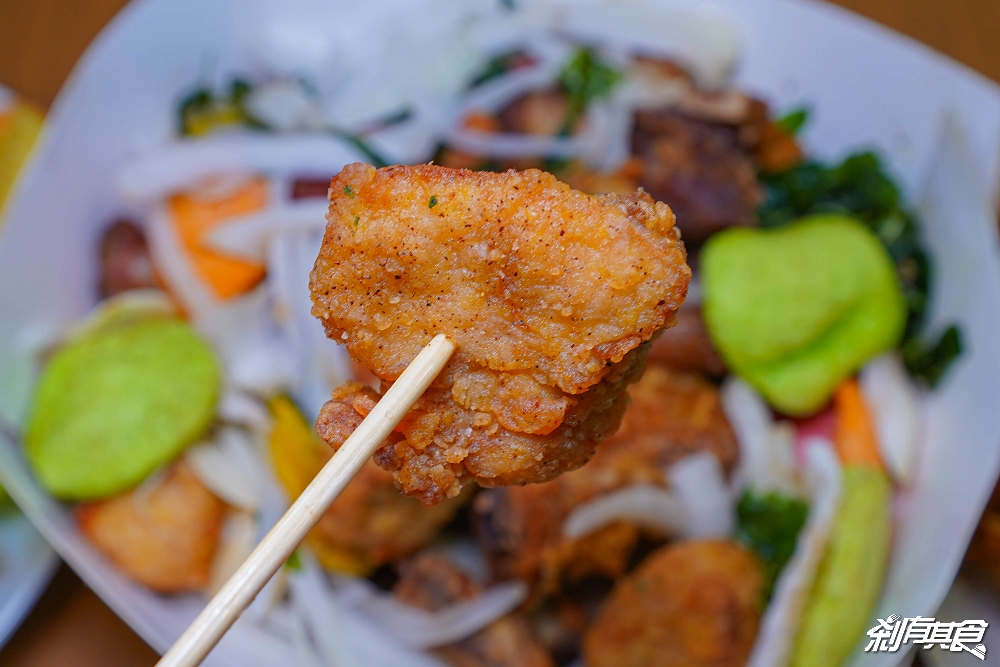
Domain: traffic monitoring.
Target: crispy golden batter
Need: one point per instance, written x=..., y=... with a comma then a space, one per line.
x=432, y=582
x=548, y=293
x=691, y=604
x=521, y=528
x=164, y=537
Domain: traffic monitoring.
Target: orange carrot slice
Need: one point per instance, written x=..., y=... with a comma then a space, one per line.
x=854, y=435
x=195, y=216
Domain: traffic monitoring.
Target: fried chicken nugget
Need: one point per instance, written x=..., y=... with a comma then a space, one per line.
x=164, y=536
x=520, y=529
x=431, y=582
x=690, y=604
x=548, y=293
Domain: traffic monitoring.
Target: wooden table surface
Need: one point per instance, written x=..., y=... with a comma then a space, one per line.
x=39, y=42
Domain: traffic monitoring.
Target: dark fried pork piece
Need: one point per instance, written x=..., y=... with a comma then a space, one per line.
x=701, y=168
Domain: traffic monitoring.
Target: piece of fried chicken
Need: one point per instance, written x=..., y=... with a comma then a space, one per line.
x=164, y=534
x=548, y=293
x=690, y=604
x=520, y=529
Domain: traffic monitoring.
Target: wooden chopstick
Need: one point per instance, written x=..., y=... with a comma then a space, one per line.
x=223, y=609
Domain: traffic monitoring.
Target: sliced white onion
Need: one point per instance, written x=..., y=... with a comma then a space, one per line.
x=496, y=94
x=767, y=448
x=322, y=364
x=508, y=145
x=285, y=105
x=410, y=142
x=241, y=409
x=229, y=467
x=182, y=165
x=256, y=356
x=422, y=629
x=305, y=652
x=698, y=504
x=237, y=540
x=705, y=42
x=699, y=483
x=894, y=403
x=174, y=265
x=248, y=236
x=644, y=505
x=316, y=606
x=344, y=637
x=645, y=91
x=780, y=623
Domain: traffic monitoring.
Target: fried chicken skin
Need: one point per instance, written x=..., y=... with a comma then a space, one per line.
x=691, y=604
x=521, y=528
x=164, y=536
x=548, y=293
x=431, y=582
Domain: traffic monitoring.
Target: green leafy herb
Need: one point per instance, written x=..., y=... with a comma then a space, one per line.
x=769, y=524
x=499, y=65
x=433, y=202
x=349, y=191
x=585, y=78
x=356, y=221
x=204, y=111
x=931, y=362
x=294, y=562
x=794, y=120
x=860, y=187
x=191, y=108
x=374, y=158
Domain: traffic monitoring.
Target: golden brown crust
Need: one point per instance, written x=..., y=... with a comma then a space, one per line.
x=548, y=293
x=521, y=272
x=692, y=604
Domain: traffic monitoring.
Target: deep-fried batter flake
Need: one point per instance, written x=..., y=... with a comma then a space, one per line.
x=692, y=604
x=548, y=293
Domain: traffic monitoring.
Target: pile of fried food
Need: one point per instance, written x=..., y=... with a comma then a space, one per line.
x=545, y=455
x=552, y=297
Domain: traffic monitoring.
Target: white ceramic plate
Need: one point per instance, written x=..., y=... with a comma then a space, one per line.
x=937, y=123
x=26, y=565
